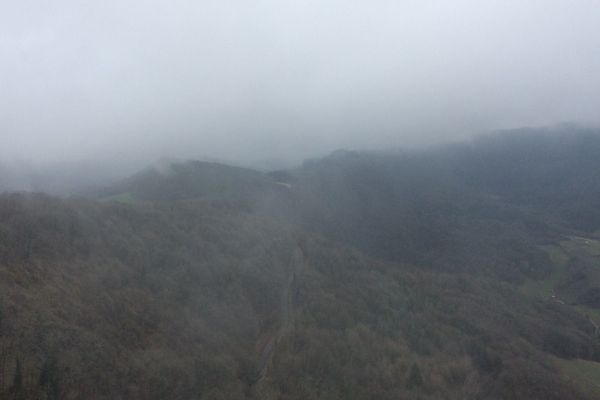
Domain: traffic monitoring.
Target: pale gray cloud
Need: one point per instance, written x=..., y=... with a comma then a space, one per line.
x=283, y=79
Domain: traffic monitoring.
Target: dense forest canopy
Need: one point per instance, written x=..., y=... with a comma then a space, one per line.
x=461, y=271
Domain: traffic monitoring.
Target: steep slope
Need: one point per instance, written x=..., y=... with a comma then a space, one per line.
x=362, y=330
x=116, y=301
x=472, y=206
x=553, y=171
x=103, y=300
x=361, y=275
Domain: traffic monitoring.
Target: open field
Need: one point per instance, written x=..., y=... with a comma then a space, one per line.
x=584, y=374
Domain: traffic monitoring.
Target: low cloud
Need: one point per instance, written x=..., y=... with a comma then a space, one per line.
x=137, y=81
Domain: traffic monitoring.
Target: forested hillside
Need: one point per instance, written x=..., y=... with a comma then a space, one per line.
x=464, y=271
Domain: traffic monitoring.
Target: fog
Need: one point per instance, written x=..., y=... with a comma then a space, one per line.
x=274, y=81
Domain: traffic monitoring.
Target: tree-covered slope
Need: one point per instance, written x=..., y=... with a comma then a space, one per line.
x=104, y=300
x=426, y=274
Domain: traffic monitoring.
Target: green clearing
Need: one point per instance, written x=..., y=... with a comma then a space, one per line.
x=593, y=313
x=560, y=254
x=583, y=374
x=545, y=288
x=581, y=246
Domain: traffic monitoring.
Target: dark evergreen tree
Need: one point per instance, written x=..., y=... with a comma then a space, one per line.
x=415, y=379
x=48, y=380
x=18, y=380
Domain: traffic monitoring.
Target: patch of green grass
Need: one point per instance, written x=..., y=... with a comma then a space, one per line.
x=593, y=313
x=587, y=249
x=560, y=254
x=557, y=255
x=583, y=374
x=582, y=246
x=545, y=288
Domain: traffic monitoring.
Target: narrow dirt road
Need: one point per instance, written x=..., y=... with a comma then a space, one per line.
x=286, y=311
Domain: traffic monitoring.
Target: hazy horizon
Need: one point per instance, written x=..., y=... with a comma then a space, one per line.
x=267, y=81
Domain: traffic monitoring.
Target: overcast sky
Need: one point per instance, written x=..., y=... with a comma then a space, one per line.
x=279, y=79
